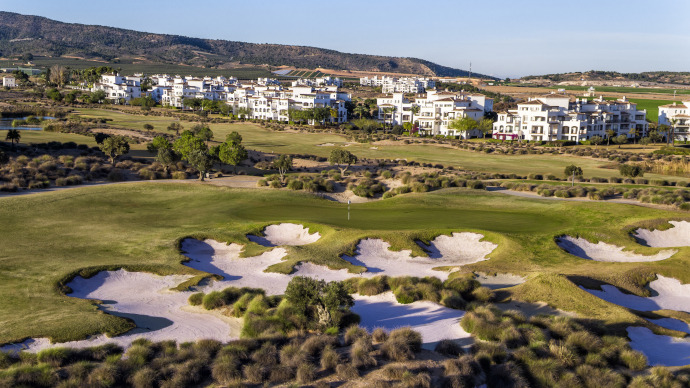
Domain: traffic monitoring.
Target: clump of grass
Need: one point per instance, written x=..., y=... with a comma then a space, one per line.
x=448, y=348
x=346, y=372
x=329, y=358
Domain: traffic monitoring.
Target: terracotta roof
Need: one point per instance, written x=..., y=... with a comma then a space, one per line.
x=533, y=102
x=680, y=106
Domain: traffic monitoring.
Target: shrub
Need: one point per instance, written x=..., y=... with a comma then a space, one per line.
x=353, y=333
x=372, y=286
x=144, y=378
x=379, y=335
x=255, y=373
x=306, y=373
x=329, y=358
x=54, y=356
x=346, y=372
x=213, y=300
x=632, y=359
x=394, y=371
x=449, y=348
x=179, y=175
x=196, y=299
x=116, y=175
x=360, y=353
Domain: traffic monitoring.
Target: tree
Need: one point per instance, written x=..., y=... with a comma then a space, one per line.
x=321, y=114
x=654, y=136
x=244, y=112
x=3, y=158
x=13, y=135
x=388, y=116
x=414, y=109
x=114, y=146
x=631, y=170
x=194, y=150
x=572, y=170
x=99, y=137
x=360, y=110
x=283, y=164
x=485, y=126
x=148, y=127
x=596, y=140
x=157, y=143
x=54, y=95
x=71, y=97
x=165, y=155
x=203, y=132
x=232, y=151
x=609, y=135
x=193, y=103
x=175, y=126
x=635, y=132
x=672, y=132
x=340, y=158
x=620, y=139
x=58, y=75
x=463, y=124
x=97, y=96
x=320, y=302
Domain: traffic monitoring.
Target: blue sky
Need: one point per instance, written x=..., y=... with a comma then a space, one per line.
x=505, y=38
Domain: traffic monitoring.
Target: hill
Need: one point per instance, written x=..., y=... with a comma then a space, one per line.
x=603, y=77
x=22, y=34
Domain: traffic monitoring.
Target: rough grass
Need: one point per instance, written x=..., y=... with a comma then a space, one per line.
x=49, y=238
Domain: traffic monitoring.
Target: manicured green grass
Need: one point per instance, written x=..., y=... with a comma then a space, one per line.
x=45, y=237
x=622, y=89
x=652, y=107
x=33, y=137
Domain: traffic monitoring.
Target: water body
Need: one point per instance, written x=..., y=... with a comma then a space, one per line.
x=6, y=123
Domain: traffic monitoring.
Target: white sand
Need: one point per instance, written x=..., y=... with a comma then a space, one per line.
x=660, y=349
x=499, y=280
x=146, y=299
x=606, y=252
x=433, y=321
x=678, y=236
x=285, y=234
x=444, y=251
x=670, y=294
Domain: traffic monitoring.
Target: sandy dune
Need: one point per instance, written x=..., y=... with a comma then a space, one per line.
x=606, y=252
x=678, y=236
x=285, y=234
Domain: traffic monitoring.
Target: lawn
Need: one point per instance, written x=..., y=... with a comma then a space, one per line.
x=45, y=237
x=652, y=107
x=622, y=89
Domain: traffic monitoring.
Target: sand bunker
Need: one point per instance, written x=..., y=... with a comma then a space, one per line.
x=434, y=322
x=161, y=314
x=670, y=294
x=500, y=280
x=285, y=234
x=606, y=252
x=660, y=349
x=147, y=300
x=445, y=251
x=678, y=236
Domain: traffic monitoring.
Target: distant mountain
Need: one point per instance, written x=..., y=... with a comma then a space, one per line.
x=21, y=34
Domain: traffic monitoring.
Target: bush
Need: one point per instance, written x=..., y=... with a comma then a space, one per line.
x=329, y=358
x=196, y=299
x=179, y=175
x=372, y=286
x=116, y=175
x=634, y=360
x=449, y=348
x=54, y=356
x=346, y=372
x=306, y=373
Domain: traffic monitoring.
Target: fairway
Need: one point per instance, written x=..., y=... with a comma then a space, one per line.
x=45, y=237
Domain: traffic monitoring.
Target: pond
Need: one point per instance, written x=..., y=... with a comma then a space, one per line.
x=6, y=123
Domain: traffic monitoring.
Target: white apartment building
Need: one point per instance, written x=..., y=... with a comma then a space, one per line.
x=556, y=117
x=118, y=88
x=436, y=109
x=399, y=85
x=9, y=81
x=322, y=81
x=681, y=114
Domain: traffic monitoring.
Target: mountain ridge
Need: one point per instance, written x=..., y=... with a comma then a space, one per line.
x=38, y=35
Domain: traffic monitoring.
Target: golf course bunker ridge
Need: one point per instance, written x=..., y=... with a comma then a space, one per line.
x=602, y=251
x=677, y=236
x=285, y=234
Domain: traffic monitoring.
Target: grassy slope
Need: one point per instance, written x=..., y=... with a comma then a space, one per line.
x=47, y=236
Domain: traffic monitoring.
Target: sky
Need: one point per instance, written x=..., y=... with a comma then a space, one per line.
x=503, y=38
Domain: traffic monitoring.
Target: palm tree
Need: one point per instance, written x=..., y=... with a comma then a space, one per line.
x=634, y=132
x=671, y=130
x=414, y=109
x=609, y=135
x=13, y=135
x=360, y=110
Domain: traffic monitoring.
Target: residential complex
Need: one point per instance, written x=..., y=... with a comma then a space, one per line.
x=263, y=99
x=118, y=88
x=399, y=85
x=322, y=81
x=9, y=81
x=434, y=111
x=680, y=114
x=556, y=117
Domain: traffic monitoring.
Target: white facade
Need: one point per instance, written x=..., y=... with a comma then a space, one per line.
x=399, y=85
x=323, y=81
x=681, y=114
x=9, y=81
x=555, y=117
x=119, y=88
x=264, y=100
x=435, y=111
